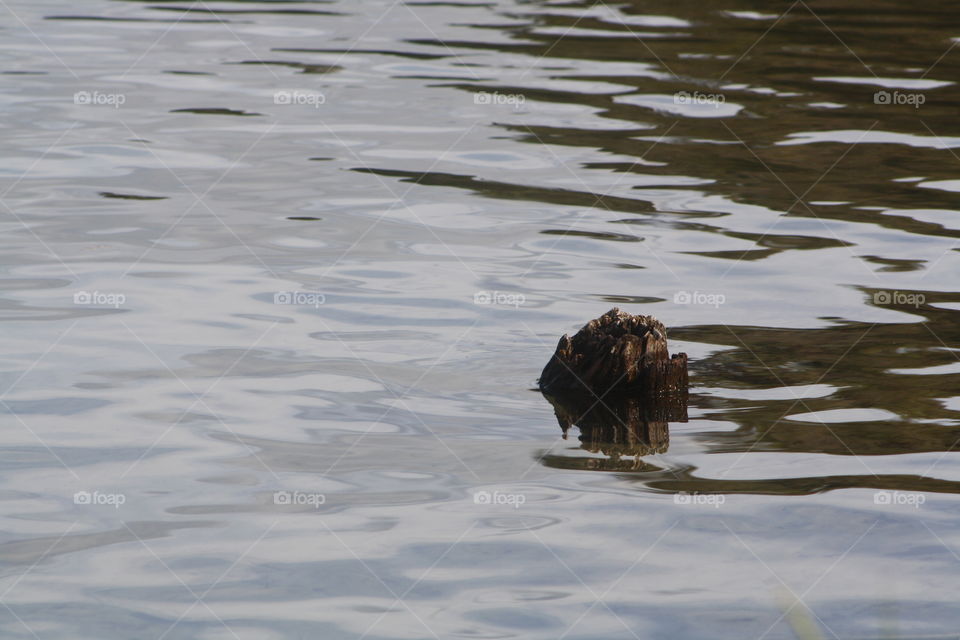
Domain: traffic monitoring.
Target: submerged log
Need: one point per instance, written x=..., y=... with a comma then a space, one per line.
x=617, y=352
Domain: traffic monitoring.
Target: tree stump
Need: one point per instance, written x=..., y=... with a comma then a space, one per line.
x=618, y=352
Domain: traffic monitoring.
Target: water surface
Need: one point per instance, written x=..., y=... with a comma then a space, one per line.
x=279, y=278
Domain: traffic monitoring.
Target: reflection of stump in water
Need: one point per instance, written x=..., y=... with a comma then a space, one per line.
x=616, y=381
x=618, y=425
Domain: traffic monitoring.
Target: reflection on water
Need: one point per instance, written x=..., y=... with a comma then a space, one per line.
x=278, y=277
x=617, y=426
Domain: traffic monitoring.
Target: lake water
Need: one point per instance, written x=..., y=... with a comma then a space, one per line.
x=279, y=278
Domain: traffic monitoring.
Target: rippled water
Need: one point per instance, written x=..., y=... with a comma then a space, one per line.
x=279, y=279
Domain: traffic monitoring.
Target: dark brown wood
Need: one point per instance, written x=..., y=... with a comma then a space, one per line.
x=616, y=353
x=620, y=425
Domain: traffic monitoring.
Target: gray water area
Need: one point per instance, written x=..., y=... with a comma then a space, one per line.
x=278, y=279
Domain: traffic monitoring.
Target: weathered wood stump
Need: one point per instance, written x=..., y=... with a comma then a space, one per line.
x=617, y=352
x=616, y=381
